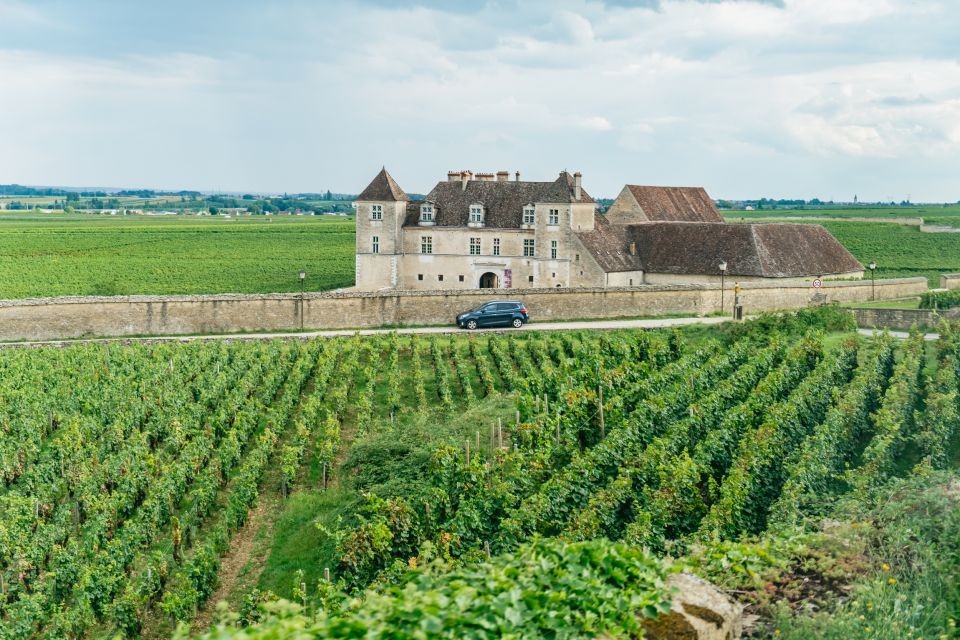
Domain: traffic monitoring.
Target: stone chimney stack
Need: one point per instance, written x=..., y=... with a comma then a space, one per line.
x=577, y=189
x=518, y=176
x=503, y=176
x=453, y=176
x=465, y=177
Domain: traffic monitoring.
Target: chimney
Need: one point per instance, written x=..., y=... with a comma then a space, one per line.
x=577, y=190
x=633, y=248
x=485, y=177
x=453, y=176
x=465, y=177
x=518, y=176
x=503, y=176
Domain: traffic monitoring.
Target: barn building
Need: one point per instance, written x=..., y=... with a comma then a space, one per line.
x=487, y=230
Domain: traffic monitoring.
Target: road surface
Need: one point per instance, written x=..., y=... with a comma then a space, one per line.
x=652, y=323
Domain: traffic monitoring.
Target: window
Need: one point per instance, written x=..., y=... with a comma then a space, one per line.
x=553, y=249
x=476, y=214
x=529, y=278
x=426, y=213
x=376, y=212
x=577, y=258
x=554, y=217
x=528, y=215
x=529, y=248
x=461, y=278
x=440, y=277
x=474, y=246
x=375, y=244
x=426, y=244
x=496, y=246
x=419, y=276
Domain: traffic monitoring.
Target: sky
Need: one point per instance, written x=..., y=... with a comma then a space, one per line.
x=748, y=98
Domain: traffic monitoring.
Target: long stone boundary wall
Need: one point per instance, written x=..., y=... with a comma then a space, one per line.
x=903, y=319
x=950, y=281
x=60, y=318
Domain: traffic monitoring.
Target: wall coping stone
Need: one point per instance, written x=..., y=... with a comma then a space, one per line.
x=393, y=293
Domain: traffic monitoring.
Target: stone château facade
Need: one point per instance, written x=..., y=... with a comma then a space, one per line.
x=487, y=231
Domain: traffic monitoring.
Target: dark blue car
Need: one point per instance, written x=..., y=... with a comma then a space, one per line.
x=500, y=313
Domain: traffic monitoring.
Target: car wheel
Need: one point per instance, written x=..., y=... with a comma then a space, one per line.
x=517, y=323
x=471, y=324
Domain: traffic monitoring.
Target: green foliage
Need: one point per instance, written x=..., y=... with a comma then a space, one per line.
x=544, y=590
x=940, y=299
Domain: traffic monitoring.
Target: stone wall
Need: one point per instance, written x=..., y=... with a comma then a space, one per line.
x=56, y=318
x=950, y=281
x=903, y=319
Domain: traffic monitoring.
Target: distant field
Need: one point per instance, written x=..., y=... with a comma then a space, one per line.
x=53, y=254
x=942, y=215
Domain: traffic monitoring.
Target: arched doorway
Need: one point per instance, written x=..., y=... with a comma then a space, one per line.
x=489, y=280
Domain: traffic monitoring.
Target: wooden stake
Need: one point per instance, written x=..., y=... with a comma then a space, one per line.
x=500, y=433
x=602, y=426
x=518, y=417
x=468, y=451
x=546, y=404
x=326, y=574
x=477, y=441
x=426, y=511
x=558, y=427
x=486, y=549
x=324, y=475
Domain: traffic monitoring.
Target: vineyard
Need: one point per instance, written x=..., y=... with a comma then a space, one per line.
x=129, y=470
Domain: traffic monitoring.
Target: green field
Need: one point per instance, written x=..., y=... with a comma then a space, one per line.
x=471, y=486
x=54, y=254
x=948, y=215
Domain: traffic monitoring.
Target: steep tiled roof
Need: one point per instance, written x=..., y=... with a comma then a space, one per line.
x=696, y=248
x=609, y=245
x=383, y=188
x=503, y=201
x=675, y=204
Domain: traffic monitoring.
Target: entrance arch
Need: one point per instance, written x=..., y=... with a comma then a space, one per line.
x=489, y=280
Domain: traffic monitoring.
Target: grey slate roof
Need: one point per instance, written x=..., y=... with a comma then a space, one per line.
x=383, y=188
x=503, y=201
x=773, y=250
x=675, y=204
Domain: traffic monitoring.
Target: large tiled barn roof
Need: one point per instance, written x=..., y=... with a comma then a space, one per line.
x=675, y=204
x=503, y=201
x=695, y=248
x=382, y=188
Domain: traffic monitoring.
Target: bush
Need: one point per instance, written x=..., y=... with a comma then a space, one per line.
x=940, y=299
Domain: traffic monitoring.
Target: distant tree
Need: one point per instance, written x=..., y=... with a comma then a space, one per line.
x=328, y=195
x=214, y=211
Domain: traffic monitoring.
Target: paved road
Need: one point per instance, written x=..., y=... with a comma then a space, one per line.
x=929, y=337
x=654, y=323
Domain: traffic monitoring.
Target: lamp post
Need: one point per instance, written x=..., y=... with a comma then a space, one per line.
x=873, y=269
x=302, y=276
x=723, y=272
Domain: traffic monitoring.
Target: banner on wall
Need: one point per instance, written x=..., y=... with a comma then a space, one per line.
x=507, y=278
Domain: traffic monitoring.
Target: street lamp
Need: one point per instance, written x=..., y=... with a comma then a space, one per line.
x=873, y=270
x=301, y=275
x=723, y=271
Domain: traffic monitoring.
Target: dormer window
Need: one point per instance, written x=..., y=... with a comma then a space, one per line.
x=476, y=215
x=528, y=215
x=426, y=213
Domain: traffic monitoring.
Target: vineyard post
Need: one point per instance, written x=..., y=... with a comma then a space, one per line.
x=324, y=475
x=426, y=511
x=546, y=408
x=518, y=417
x=602, y=426
x=326, y=574
x=477, y=442
x=558, y=426
x=493, y=437
x=486, y=548
x=500, y=432
x=468, y=451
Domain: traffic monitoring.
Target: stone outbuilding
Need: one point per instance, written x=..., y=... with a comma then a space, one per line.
x=487, y=230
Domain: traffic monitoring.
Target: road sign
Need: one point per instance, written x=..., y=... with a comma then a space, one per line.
x=817, y=283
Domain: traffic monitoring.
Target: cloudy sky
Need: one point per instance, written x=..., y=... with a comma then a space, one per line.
x=779, y=98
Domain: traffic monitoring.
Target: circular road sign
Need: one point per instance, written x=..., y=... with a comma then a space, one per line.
x=817, y=283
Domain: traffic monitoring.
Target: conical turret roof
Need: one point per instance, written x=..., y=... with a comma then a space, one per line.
x=383, y=188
